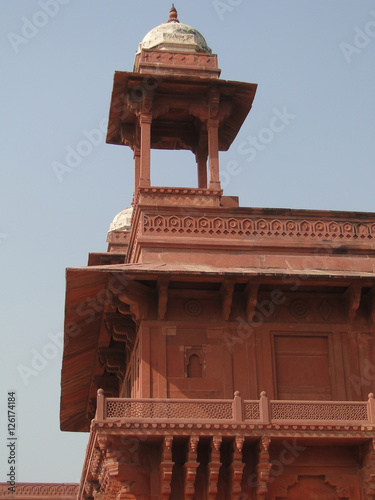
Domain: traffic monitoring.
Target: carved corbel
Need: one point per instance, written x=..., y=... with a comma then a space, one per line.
x=213, y=468
x=132, y=104
x=127, y=131
x=123, y=330
x=237, y=467
x=199, y=111
x=113, y=360
x=123, y=308
x=162, y=299
x=263, y=468
x=190, y=468
x=166, y=467
x=160, y=107
x=95, y=465
x=147, y=102
x=251, y=294
x=104, y=443
x=352, y=301
x=226, y=293
x=136, y=296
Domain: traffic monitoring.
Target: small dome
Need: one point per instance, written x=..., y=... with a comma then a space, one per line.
x=122, y=221
x=174, y=35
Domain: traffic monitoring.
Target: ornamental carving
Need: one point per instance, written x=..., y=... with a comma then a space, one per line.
x=299, y=309
x=172, y=409
x=58, y=490
x=240, y=227
x=325, y=309
x=193, y=307
x=319, y=411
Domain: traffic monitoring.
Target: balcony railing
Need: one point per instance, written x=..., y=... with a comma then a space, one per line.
x=262, y=411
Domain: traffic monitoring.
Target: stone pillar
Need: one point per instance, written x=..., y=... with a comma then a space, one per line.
x=263, y=468
x=237, y=467
x=166, y=467
x=137, y=169
x=213, y=154
x=145, y=123
x=202, y=170
x=190, y=468
x=213, y=468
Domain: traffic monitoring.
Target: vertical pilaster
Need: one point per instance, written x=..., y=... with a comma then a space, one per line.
x=190, y=468
x=213, y=468
x=145, y=121
x=166, y=467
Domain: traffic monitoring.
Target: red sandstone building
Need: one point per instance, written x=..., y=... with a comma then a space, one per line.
x=217, y=352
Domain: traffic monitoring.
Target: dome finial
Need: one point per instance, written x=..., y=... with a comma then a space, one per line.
x=173, y=15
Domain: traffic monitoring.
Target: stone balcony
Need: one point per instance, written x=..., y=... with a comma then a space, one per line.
x=149, y=448
x=224, y=412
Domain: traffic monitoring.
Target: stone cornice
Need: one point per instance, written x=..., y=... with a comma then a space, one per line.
x=153, y=428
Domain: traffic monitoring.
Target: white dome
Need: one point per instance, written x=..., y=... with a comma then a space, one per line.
x=174, y=35
x=122, y=221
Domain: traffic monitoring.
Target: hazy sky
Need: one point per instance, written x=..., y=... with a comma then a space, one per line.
x=314, y=64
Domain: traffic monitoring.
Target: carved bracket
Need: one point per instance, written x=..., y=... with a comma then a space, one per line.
x=263, y=468
x=237, y=467
x=251, y=293
x=137, y=297
x=213, y=468
x=190, y=468
x=352, y=300
x=162, y=299
x=226, y=293
x=166, y=467
x=113, y=360
x=122, y=329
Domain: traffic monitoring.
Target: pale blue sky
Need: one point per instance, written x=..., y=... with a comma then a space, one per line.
x=314, y=64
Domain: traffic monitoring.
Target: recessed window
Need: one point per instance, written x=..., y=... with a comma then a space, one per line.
x=194, y=367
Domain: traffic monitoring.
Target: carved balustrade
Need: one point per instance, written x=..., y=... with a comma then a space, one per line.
x=263, y=411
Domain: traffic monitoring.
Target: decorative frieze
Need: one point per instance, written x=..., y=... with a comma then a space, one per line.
x=40, y=490
x=245, y=226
